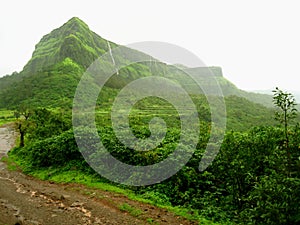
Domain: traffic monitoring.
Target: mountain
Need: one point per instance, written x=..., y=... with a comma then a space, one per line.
x=73, y=40
x=60, y=58
x=51, y=76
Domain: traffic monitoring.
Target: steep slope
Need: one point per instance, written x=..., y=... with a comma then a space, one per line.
x=73, y=40
x=60, y=58
x=52, y=74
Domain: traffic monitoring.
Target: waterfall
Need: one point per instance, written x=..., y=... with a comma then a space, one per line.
x=112, y=57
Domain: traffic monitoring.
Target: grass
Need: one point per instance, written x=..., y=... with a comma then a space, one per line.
x=130, y=209
x=11, y=165
x=151, y=221
x=6, y=116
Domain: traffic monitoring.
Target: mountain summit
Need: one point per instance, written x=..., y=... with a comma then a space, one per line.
x=73, y=40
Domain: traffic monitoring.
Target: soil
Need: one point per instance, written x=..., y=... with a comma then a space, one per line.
x=26, y=200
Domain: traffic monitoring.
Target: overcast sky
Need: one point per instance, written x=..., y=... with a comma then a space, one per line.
x=257, y=42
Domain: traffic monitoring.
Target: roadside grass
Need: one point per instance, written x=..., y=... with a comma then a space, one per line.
x=151, y=221
x=130, y=209
x=11, y=165
x=6, y=116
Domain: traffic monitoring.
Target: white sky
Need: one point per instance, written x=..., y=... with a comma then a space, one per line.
x=257, y=42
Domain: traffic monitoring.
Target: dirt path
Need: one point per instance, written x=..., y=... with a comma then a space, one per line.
x=25, y=200
x=7, y=140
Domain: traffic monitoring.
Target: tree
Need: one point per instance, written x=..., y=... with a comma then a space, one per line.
x=286, y=104
x=22, y=115
x=45, y=123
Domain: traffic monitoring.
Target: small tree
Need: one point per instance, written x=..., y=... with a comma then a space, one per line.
x=286, y=104
x=22, y=115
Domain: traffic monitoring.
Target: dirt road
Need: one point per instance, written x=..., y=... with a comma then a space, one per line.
x=26, y=200
x=7, y=140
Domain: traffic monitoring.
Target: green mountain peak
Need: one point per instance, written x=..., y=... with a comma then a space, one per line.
x=72, y=40
x=75, y=20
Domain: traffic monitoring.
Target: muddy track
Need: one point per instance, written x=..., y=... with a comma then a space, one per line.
x=26, y=200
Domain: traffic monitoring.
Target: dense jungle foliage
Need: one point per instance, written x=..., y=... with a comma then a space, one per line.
x=253, y=180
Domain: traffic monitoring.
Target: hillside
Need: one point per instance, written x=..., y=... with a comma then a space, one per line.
x=61, y=57
x=73, y=40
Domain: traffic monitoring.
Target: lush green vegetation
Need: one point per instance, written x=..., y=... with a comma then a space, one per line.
x=6, y=116
x=253, y=180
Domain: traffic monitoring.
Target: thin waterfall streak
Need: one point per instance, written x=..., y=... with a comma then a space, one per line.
x=112, y=57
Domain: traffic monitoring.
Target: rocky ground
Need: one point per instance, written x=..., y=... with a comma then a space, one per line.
x=26, y=200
